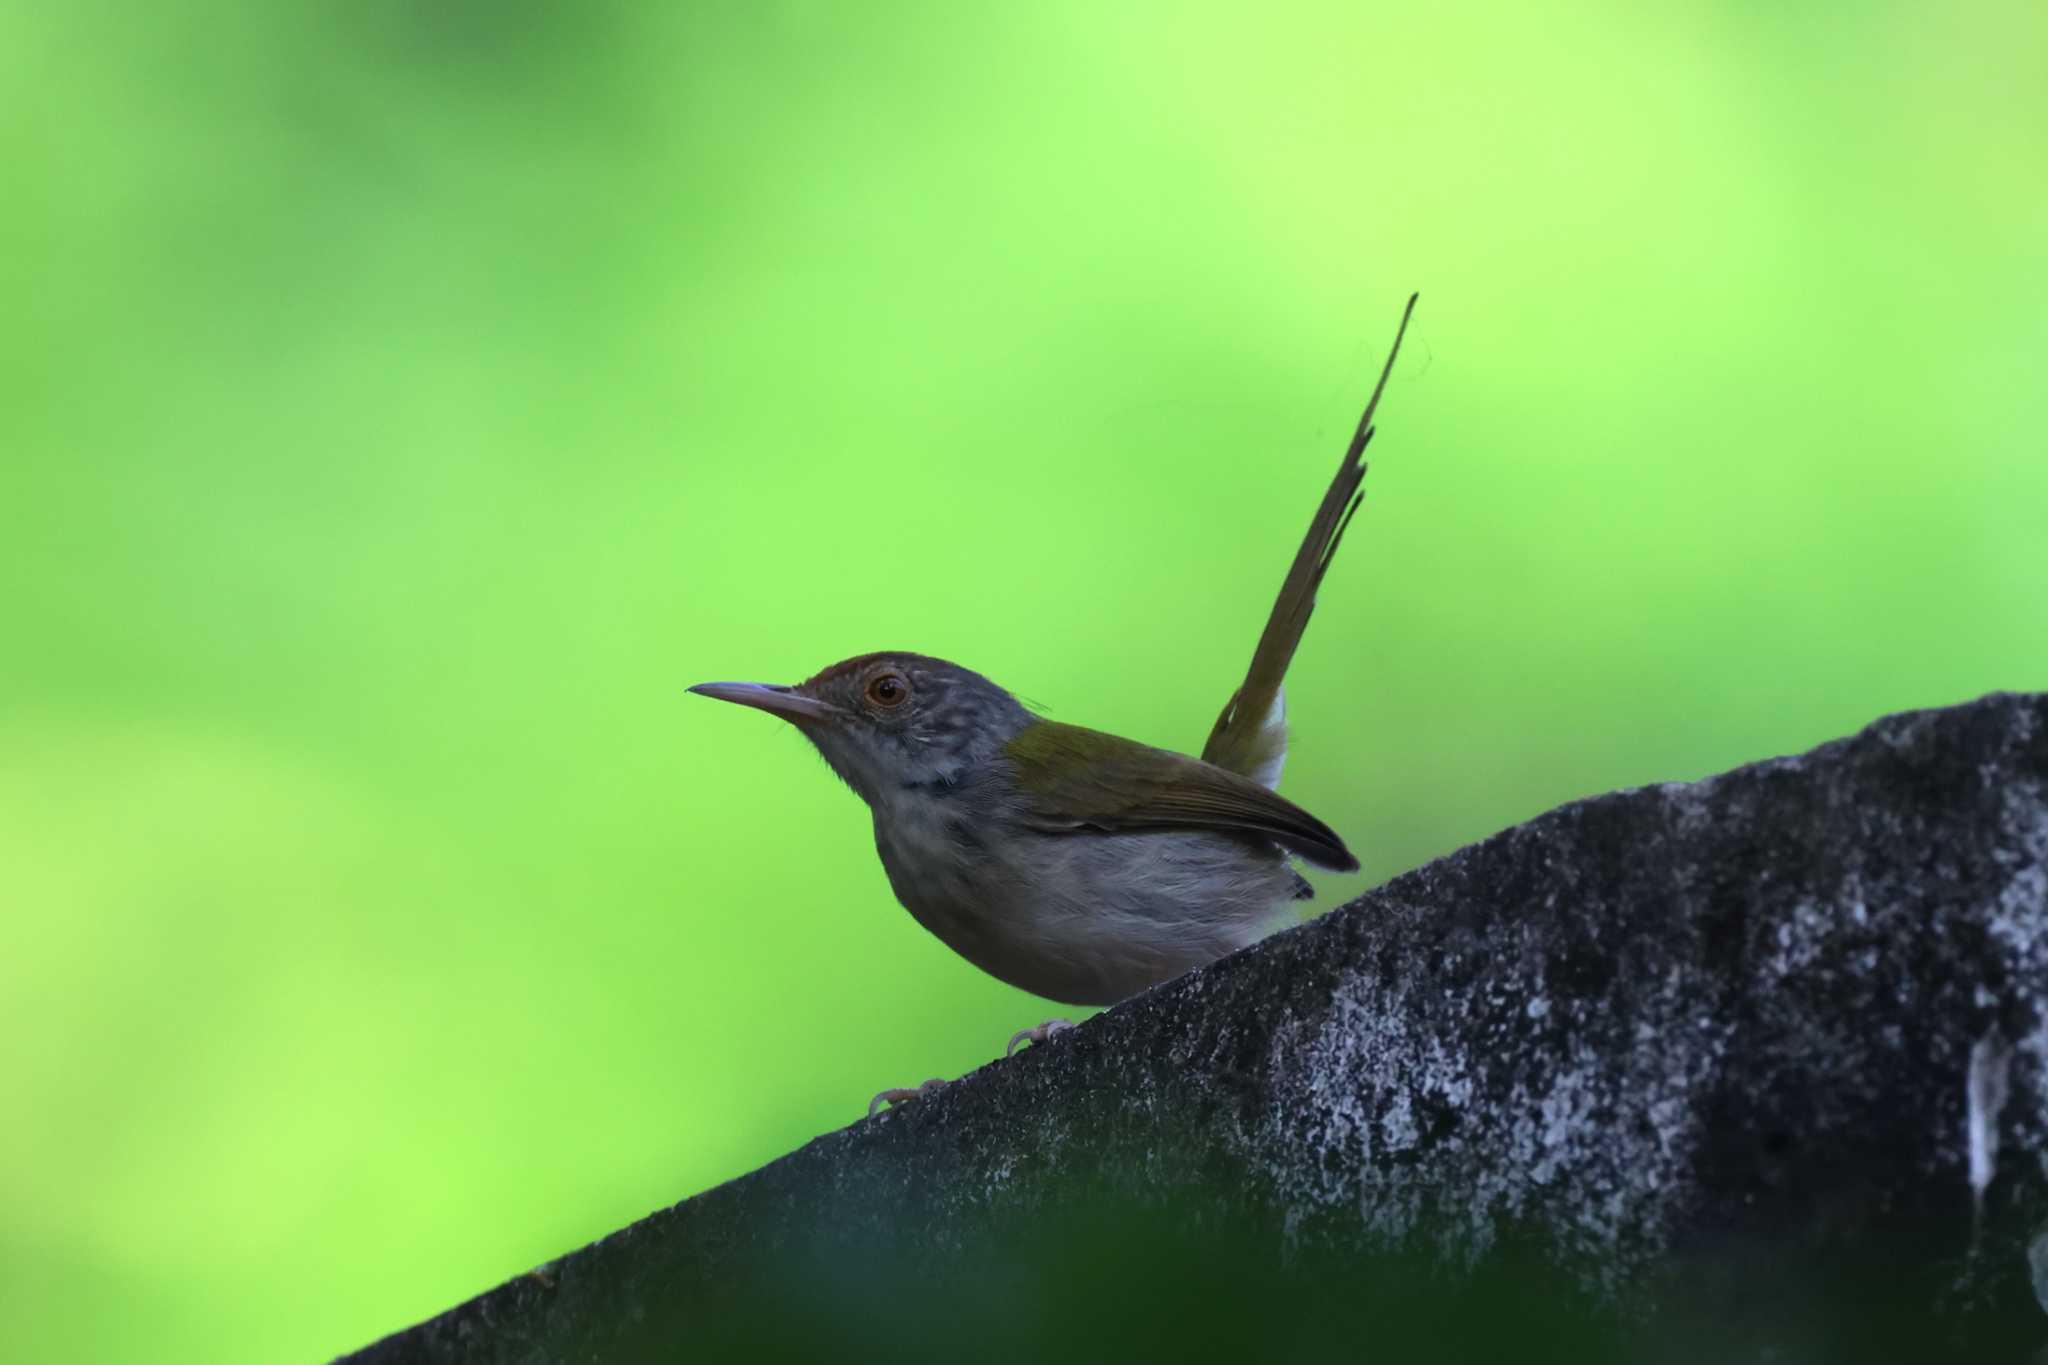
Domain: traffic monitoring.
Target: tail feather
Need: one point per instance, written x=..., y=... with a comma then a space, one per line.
x=1250, y=736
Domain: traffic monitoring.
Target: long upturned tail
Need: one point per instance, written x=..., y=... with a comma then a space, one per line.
x=1250, y=737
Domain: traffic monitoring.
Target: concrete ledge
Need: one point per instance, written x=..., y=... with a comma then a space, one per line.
x=1700, y=1054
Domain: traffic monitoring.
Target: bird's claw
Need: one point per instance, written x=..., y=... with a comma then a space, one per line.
x=1030, y=1035
x=1037, y=1035
x=900, y=1094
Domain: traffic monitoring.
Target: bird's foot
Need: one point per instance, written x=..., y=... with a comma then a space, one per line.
x=1038, y=1035
x=899, y=1095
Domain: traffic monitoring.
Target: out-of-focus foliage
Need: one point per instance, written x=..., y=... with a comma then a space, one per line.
x=400, y=404
x=1107, y=1277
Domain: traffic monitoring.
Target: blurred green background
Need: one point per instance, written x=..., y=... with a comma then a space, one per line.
x=403, y=403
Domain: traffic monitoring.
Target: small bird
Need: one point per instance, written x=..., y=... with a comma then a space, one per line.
x=1078, y=865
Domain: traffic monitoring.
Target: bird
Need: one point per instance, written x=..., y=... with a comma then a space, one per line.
x=1080, y=866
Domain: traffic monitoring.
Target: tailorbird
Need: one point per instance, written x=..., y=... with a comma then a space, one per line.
x=1075, y=864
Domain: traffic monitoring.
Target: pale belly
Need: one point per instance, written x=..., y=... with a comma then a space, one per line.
x=1084, y=918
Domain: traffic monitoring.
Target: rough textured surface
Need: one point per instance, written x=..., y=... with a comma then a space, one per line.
x=1679, y=1045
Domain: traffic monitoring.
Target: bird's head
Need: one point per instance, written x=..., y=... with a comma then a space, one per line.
x=892, y=720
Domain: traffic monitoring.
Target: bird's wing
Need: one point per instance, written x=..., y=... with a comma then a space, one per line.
x=1074, y=779
x=1250, y=737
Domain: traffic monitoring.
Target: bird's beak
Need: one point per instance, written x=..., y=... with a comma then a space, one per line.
x=786, y=702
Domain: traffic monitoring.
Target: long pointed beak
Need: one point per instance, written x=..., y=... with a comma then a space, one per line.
x=786, y=702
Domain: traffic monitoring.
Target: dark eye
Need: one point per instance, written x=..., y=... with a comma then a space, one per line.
x=888, y=689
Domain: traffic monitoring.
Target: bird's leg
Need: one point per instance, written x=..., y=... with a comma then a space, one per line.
x=900, y=1094
x=1038, y=1035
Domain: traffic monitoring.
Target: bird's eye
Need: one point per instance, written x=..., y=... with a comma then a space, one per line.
x=888, y=689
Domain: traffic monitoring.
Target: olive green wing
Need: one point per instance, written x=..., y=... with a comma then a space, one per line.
x=1074, y=779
